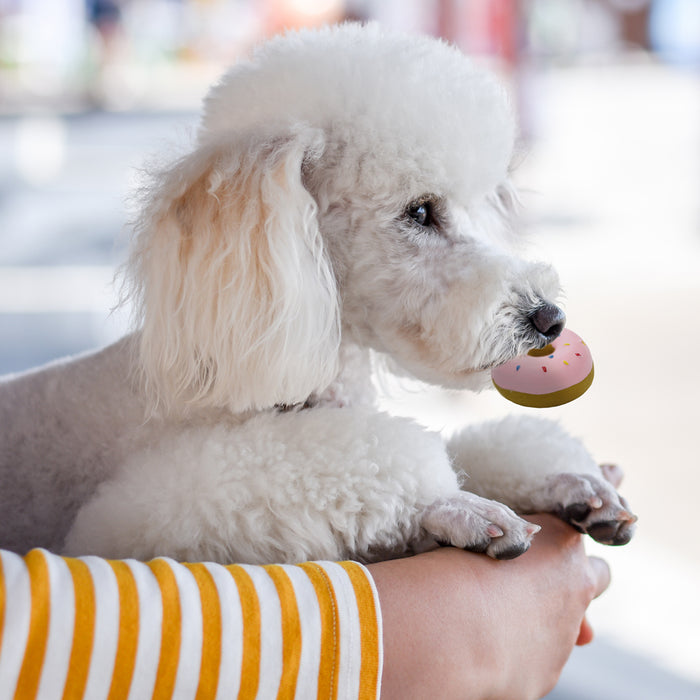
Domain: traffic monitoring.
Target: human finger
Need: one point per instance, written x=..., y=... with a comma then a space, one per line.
x=601, y=575
x=585, y=633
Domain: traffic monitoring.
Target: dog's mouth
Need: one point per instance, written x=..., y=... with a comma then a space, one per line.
x=533, y=330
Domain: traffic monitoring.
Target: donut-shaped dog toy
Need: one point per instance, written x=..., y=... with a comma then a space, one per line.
x=554, y=375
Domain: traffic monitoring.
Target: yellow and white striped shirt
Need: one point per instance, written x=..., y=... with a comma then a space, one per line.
x=93, y=628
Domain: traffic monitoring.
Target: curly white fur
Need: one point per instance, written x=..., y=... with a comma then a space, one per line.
x=349, y=192
x=230, y=223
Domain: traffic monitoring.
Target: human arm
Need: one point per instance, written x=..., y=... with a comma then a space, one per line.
x=96, y=628
x=456, y=624
x=461, y=625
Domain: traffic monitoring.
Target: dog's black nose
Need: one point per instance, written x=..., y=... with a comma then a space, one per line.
x=549, y=321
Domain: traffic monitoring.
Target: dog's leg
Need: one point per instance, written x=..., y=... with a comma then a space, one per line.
x=323, y=483
x=533, y=465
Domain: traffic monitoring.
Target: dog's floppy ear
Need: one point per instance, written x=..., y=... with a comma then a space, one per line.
x=234, y=293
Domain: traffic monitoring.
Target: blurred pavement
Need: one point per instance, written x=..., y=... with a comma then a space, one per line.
x=65, y=200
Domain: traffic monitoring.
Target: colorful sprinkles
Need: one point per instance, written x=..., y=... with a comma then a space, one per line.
x=551, y=395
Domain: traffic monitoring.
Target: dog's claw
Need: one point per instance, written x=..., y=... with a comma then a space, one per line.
x=494, y=531
x=532, y=529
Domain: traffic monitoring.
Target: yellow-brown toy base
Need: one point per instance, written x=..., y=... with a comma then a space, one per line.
x=555, y=398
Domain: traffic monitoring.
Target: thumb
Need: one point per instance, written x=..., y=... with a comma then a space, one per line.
x=600, y=572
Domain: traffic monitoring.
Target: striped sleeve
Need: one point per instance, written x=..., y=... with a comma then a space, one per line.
x=93, y=628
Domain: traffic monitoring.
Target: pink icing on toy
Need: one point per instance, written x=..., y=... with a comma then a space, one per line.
x=552, y=376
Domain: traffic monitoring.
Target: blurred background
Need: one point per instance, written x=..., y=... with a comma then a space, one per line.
x=608, y=93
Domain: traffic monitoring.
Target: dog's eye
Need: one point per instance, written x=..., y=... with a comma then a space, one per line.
x=422, y=213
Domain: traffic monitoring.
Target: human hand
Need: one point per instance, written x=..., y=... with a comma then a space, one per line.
x=461, y=625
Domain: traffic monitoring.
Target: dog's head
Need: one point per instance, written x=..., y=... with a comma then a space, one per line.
x=346, y=183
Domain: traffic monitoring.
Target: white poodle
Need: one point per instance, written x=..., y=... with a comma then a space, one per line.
x=348, y=195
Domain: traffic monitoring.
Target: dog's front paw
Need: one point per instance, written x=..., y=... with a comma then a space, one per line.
x=477, y=524
x=591, y=504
